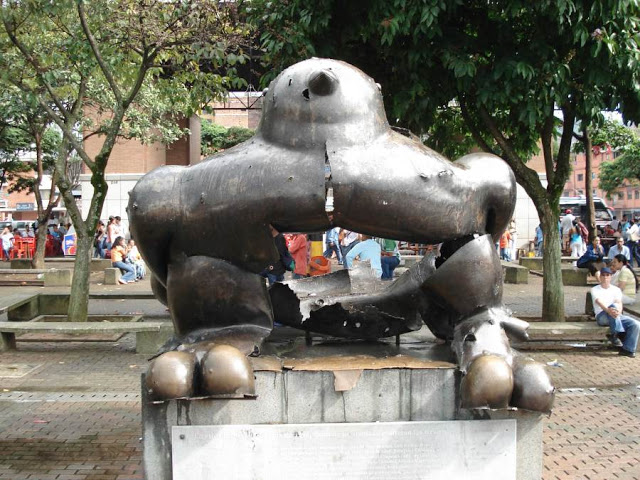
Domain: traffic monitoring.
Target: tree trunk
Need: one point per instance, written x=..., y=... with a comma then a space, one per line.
x=79, y=298
x=552, y=287
x=41, y=240
x=590, y=221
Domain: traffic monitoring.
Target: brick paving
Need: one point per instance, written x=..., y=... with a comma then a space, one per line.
x=76, y=414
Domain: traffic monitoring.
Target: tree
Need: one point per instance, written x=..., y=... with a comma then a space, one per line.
x=602, y=134
x=522, y=74
x=121, y=68
x=215, y=138
x=626, y=167
x=21, y=114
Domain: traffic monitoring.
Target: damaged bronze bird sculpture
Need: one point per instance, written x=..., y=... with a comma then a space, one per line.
x=204, y=232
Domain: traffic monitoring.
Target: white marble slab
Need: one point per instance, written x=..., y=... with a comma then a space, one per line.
x=360, y=451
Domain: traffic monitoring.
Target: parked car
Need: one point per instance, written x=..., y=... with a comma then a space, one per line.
x=578, y=207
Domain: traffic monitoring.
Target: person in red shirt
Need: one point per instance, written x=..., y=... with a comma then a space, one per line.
x=299, y=250
x=504, y=246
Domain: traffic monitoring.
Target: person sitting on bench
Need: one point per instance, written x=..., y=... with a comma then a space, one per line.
x=607, y=305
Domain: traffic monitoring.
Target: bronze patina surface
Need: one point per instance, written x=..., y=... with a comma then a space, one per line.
x=324, y=156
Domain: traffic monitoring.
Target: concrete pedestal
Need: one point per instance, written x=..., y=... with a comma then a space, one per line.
x=334, y=389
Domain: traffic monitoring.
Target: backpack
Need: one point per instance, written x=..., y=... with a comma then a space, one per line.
x=288, y=261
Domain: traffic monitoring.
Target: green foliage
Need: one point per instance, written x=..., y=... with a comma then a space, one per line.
x=608, y=132
x=516, y=60
x=12, y=142
x=26, y=130
x=215, y=138
x=116, y=68
x=448, y=133
x=508, y=65
x=211, y=137
x=236, y=135
x=624, y=168
x=135, y=66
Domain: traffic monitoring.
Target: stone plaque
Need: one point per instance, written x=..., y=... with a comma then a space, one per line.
x=480, y=449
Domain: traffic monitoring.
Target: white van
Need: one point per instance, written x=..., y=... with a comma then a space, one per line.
x=578, y=207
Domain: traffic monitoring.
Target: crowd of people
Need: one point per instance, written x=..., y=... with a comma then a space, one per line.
x=348, y=247
x=11, y=238
x=110, y=242
x=612, y=267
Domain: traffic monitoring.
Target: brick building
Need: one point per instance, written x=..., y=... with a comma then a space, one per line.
x=130, y=160
x=239, y=109
x=21, y=206
x=626, y=200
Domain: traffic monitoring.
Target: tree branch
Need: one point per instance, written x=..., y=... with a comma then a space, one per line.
x=525, y=176
x=546, y=138
x=96, y=52
x=475, y=133
x=36, y=65
x=555, y=185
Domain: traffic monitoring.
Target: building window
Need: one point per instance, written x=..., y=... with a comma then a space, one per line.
x=629, y=195
x=620, y=196
x=594, y=192
x=593, y=175
x=636, y=194
x=580, y=177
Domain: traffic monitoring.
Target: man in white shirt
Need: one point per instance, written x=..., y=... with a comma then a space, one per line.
x=607, y=305
x=619, y=248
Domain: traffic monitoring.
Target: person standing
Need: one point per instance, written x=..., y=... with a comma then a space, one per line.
x=633, y=235
x=566, y=224
x=111, y=233
x=299, y=249
x=99, y=240
x=539, y=241
x=7, y=242
x=333, y=244
x=504, y=246
x=607, y=305
x=577, y=245
x=513, y=241
x=275, y=272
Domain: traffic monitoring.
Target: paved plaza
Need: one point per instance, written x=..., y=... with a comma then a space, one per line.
x=72, y=410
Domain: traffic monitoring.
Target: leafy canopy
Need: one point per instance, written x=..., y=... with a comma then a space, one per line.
x=215, y=138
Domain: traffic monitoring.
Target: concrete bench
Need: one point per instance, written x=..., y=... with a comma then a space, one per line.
x=19, y=306
x=149, y=335
x=111, y=276
x=58, y=277
x=574, y=276
x=557, y=335
x=535, y=263
x=514, y=273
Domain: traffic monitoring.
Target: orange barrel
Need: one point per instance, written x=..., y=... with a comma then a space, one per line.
x=319, y=266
